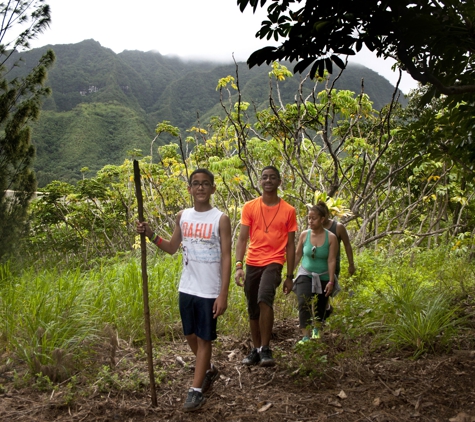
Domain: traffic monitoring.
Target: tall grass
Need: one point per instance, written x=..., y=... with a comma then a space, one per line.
x=53, y=319
x=49, y=318
x=45, y=319
x=421, y=324
x=406, y=300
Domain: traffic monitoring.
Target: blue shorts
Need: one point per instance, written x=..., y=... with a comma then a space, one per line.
x=260, y=286
x=197, y=316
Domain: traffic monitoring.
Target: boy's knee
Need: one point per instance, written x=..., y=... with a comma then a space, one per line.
x=265, y=305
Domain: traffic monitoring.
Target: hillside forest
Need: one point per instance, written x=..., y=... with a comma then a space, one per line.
x=400, y=342
x=104, y=104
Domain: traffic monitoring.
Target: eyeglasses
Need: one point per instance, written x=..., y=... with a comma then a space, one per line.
x=272, y=177
x=314, y=248
x=205, y=184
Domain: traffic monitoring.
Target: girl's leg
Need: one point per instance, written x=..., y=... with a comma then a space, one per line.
x=322, y=303
x=304, y=296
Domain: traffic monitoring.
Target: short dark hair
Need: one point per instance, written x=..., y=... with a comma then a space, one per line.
x=205, y=171
x=271, y=168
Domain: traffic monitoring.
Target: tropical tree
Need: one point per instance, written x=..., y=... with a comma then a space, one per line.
x=327, y=144
x=333, y=141
x=20, y=101
x=432, y=40
x=442, y=130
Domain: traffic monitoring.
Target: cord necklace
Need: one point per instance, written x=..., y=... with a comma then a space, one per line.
x=273, y=218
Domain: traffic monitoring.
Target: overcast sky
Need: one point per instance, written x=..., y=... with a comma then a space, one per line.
x=191, y=29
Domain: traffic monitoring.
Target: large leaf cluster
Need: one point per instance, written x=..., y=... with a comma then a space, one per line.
x=432, y=40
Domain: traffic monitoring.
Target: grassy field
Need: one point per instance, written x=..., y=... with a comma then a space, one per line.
x=54, y=320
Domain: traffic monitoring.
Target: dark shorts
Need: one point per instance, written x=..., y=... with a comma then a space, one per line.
x=260, y=286
x=197, y=316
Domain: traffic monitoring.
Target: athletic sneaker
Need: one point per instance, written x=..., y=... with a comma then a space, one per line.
x=266, y=357
x=194, y=400
x=210, y=378
x=252, y=359
x=304, y=340
x=315, y=333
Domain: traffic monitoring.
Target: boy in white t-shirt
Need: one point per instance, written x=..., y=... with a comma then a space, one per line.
x=205, y=235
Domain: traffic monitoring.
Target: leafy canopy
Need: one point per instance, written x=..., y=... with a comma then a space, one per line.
x=432, y=40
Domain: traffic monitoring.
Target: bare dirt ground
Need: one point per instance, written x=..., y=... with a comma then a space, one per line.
x=356, y=384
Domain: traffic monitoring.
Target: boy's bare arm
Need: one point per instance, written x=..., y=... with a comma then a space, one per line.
x=331, y=262
x=290, y=257
x=221, y=303
x=169, y=246
x=241, y=246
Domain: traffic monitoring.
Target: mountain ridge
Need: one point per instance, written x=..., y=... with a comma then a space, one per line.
x=105, y=103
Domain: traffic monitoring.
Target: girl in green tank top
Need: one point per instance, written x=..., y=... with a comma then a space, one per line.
x=315, y=258
x=316, y=249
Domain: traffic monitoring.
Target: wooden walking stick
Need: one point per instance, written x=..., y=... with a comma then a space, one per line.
x=146, y=309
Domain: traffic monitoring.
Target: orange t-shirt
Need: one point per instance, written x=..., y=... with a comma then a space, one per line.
x=279, y=220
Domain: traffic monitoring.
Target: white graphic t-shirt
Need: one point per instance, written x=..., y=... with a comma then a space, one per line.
x=201, y=275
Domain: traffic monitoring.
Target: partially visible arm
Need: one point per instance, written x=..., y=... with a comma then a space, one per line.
x=290, y=254
x=169, y=246
x=221, y=302
x=241, y=246
x=299, y=251
x=331, y=262
x=343, y=234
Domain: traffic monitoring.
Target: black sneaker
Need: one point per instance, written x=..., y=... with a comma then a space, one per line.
x=266, y=357
x=252, y=359
x=210, y=378
x=194, y=400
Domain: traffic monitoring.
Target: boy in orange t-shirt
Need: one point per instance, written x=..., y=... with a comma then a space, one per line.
x=270, y=224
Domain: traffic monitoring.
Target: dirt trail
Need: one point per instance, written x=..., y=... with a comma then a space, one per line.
x=374, y=386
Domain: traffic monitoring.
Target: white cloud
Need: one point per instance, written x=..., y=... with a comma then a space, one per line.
x=193, y=29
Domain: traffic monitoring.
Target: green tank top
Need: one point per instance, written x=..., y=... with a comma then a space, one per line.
x=318, y=263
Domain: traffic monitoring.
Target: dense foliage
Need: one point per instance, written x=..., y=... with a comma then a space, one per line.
x=434, y=41
x=104, y=104
x=20, y=103
x=426, y=38
x=330, y=143
x=59, y=321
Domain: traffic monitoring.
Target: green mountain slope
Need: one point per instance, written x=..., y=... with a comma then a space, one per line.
x=90, y=135
x=104, y=104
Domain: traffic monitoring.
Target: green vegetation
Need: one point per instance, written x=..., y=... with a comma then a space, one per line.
x=432, y=41
x=91, y=135
x=55, y=320
x=20, y=103
x=104, y=104
x=408, y=301
x=414, y=35
x=72, y=294
x=58, y=321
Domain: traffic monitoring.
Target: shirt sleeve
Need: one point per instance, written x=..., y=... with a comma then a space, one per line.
x=293, y=220
x=246, y=215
